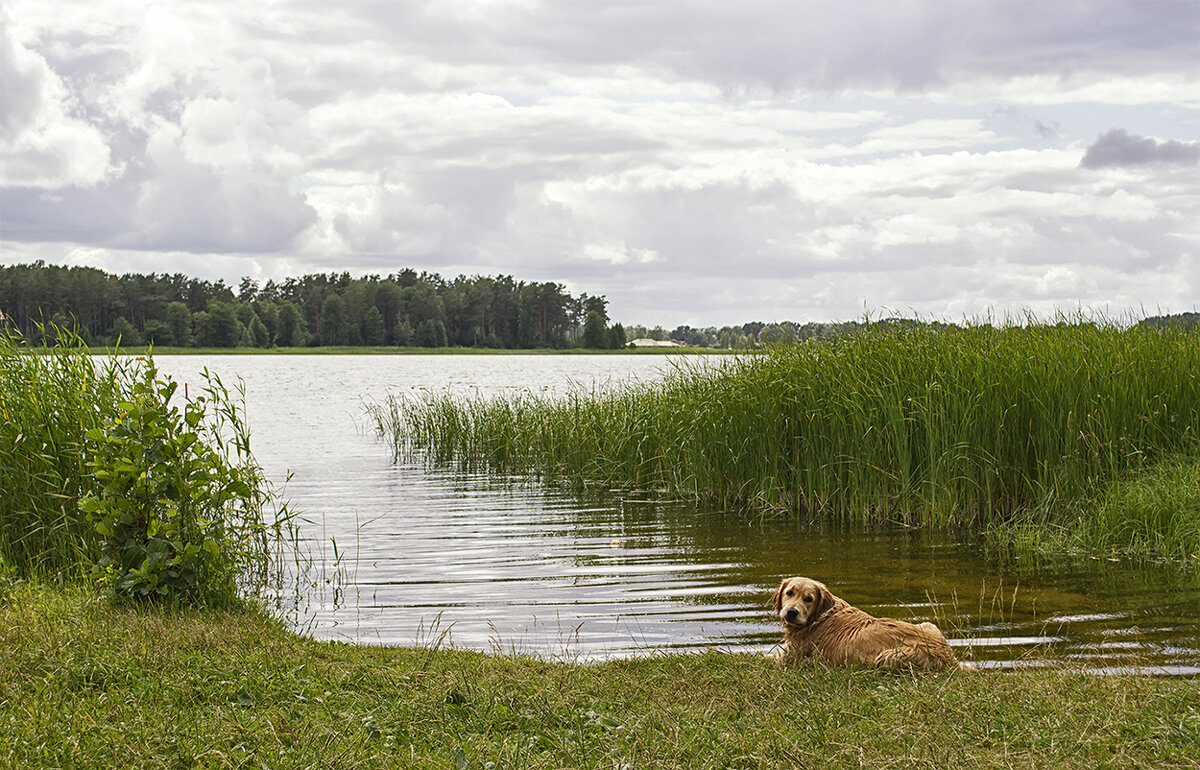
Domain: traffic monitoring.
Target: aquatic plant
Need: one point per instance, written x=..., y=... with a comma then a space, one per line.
x=105, y=478
x=920, y=425
x=1156, y=511
x=51, y=395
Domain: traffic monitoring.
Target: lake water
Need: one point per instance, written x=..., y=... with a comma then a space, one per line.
x=421, y=556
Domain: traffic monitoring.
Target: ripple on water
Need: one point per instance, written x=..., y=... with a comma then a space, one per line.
x=435, y=558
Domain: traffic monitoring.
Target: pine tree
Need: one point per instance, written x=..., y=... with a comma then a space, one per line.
x=595, y=335
x=372, y=333
x=332, y=327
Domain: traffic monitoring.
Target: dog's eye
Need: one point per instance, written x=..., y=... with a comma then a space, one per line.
x=808, y=600
x=791, y=593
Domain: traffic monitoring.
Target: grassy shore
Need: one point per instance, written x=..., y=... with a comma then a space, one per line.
x=1021, y=428
x=87, y=684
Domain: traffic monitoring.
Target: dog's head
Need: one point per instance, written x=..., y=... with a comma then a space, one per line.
x=799, y=600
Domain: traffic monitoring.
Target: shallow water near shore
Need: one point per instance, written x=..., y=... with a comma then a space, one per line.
x=428, y=556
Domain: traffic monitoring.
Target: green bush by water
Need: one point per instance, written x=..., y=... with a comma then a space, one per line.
x=178, y=503
x=104, y=478
x=950, y=427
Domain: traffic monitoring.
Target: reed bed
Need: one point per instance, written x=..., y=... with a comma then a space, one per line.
x=943, y=427
x=50, y=397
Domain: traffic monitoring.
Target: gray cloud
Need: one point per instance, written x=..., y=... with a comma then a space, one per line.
x=782, y=45
x=1118, y=147
x=696, y=161
x=1043, y=129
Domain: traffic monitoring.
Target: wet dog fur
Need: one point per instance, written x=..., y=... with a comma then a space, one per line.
x=819, y=625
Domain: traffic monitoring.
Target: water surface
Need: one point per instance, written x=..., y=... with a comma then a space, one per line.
x=434, y=557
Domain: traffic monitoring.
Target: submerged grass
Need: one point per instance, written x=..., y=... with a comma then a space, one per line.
x=83, y=684
x=973, y=427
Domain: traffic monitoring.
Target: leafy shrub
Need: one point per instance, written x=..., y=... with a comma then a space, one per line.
x=179, y=503
x=100, y=475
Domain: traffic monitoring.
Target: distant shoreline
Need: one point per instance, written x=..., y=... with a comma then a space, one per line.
x=412, y=351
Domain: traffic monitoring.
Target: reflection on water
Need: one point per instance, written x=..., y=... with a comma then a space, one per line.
x=433, y=557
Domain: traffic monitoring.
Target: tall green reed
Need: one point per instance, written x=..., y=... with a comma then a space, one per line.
x=1156, y=511
x=50, y=397
x=936, y=426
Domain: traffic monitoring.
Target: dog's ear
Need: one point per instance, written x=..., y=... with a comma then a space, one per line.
x=823, y=601
x=777, y=597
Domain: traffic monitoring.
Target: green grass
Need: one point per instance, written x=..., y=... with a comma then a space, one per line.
x=1154, y=511
x=84, y=684
x=1150, y=513
x=974, y=428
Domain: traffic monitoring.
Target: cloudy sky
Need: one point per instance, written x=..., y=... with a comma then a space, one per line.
x=697, y=161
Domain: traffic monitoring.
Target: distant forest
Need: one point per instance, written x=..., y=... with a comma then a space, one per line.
x=403, y=309
x=1191, y=320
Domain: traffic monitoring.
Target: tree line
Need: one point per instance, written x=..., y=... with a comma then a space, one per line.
x=1184, y=320
x=405, y=308
x=757, y=333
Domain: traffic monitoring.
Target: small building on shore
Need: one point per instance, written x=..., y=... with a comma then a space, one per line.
x=644, y=342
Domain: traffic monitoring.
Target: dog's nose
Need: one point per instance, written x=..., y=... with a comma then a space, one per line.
x=792, y=613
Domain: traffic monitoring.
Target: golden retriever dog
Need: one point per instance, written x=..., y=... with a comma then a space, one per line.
x=817, y=624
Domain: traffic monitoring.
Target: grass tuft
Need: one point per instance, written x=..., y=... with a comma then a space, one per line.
x=1156, y=510
x=50, y=397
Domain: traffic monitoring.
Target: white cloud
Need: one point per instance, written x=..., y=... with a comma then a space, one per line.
x=42, y=144
x=617, y=254
x=1094, y=87
x=380, y=219
x=923, y=135
x=913, y=228
x=194, y=202
x=694, y=161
